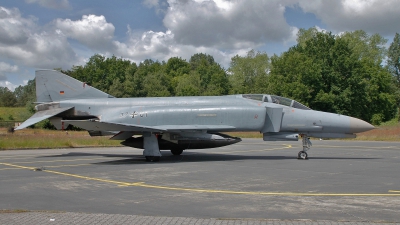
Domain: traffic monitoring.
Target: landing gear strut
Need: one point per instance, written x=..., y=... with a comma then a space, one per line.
x=306, y=146
x=151, y=150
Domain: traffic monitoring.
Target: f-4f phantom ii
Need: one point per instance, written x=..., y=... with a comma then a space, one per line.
x=180, y=123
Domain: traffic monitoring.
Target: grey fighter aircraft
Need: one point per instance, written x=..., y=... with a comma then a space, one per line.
x=180, y=123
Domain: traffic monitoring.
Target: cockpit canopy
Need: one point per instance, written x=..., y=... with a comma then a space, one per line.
x=277, y=100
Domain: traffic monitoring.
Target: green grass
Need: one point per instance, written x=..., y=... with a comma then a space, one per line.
x=37, y=138
x=13, y=211
x=14, y=114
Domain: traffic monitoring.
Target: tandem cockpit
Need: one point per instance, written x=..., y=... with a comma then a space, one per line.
x=277, y=100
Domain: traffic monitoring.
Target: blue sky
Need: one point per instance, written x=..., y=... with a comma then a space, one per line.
x=46, y=34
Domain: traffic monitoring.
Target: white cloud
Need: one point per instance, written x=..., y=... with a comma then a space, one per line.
x=30, y=45
x=8, y=85
x=159, y=5
x=374, y=16
x=5, y=67
x=221, y=28
x=227, y=24
x=53, y=4
x=13, y=28
x=92, y=31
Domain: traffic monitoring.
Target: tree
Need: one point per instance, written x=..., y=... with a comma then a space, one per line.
x=303, y=35
x=213, y=78
x=146, y=67
x=393, y=61
x=129, y=85
x=189, y=84
x=326, y=74
x=100, y=72
x=116, y=89
x=7, y=97
x=249, y=74
x=366, y=47
x=26, y=94
x=156, y=85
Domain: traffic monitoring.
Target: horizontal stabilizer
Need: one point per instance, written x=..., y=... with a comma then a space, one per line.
x=41, y=115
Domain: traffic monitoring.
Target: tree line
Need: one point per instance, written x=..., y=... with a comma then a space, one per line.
x=352, y=73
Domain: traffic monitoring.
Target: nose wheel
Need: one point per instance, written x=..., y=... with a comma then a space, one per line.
x=302, y=155
x=306, y=146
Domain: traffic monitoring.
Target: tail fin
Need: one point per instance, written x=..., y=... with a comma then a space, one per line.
x=53, y=86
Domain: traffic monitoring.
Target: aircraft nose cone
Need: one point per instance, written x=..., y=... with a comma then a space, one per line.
x=357, y=125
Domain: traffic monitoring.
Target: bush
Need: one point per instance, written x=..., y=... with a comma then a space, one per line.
x=377, y=119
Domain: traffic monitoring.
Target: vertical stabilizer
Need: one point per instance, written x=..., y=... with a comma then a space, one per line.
x=53, y=86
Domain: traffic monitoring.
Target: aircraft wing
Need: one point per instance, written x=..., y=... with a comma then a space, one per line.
x=95, y=125
x=41, y=115
x=193, y=128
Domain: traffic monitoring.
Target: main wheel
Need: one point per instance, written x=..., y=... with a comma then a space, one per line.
x=176, y=151
x=302, y=155
x=152, y=158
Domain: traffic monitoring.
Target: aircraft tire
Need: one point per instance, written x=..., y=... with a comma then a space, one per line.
x=176, y=151
x=302, y=155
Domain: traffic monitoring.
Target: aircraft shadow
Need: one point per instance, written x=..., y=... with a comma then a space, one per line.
x=190, y=157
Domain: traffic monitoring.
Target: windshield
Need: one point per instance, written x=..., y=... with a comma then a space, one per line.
x=277, y=100
x=288, y=102
x=254, y=97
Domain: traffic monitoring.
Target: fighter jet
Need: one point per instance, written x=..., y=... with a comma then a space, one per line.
x=181, y=123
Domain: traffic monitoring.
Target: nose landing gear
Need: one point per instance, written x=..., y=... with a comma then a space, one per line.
x=306, y=146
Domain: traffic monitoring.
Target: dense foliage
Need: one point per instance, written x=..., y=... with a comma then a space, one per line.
x=340, y=74
x=335, y=73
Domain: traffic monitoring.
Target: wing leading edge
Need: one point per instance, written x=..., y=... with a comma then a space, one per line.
x=96, y=125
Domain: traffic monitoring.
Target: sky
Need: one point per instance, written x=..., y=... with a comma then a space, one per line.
x=48, y=34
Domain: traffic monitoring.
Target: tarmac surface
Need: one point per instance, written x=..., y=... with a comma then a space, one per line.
x=252, y=182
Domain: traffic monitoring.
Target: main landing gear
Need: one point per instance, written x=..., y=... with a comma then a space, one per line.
x=177, y=151
x=306, y=146
x=151, y=150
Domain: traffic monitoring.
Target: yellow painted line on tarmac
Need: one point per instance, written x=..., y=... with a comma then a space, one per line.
x=69, y=174
x=68, y=165
x=358, y=147
x=142, y=184
x=21, y=156
x=260, y=193
x=393, y=191
x=62, y=160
